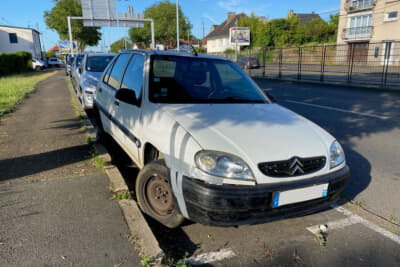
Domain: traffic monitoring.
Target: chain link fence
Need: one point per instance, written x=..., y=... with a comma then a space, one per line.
x=359, y=63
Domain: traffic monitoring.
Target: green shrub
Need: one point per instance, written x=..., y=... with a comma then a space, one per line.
x=18, y=62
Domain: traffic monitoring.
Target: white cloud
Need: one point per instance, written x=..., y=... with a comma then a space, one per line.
x=214, y=21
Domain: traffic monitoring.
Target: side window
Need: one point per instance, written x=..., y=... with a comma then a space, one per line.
x=107, y=75
x=133, y=78
x=118, y=70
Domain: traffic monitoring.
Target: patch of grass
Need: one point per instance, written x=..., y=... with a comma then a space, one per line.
x=14, y=88
x=182, y=262
x=121, y=196
x=89, y=140
x=359, y=203
x=111, y=186
x=98, y=161
x=146, y=260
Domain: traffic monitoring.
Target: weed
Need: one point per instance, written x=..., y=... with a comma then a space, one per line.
x=89, y=140
x=111, y=186
x=182, y=262
x=98, y=161
x=146, y=260
x=120, y=196
x=84, y=128
x=391, y=219
x=359, y=203
x=321, y=238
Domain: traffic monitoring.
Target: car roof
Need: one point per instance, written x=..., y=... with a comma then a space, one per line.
x=101, y=54
x=172, y=53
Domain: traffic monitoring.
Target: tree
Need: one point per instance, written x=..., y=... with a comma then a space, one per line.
x=164, y=16
x=120, y=44
x=256, y=26
x=334, y=19
x=56, y=19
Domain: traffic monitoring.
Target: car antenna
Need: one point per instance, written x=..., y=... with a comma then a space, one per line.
x=194, y=50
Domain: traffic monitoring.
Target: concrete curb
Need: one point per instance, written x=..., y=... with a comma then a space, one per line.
x=144, y=239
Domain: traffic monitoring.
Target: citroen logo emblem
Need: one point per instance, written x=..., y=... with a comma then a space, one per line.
x=296, y=167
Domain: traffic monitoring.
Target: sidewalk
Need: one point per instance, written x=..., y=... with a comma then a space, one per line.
x=54, y=204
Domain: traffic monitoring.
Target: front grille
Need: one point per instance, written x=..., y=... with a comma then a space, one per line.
x=292, y=167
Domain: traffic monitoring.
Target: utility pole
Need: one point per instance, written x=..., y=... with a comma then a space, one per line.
x=177, y=25
x=203, y=30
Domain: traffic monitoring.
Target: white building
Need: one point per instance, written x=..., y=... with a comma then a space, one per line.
x=218, y=38
x=13, y=39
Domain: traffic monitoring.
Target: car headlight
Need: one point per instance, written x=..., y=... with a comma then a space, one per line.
x=90, y=88
x=336, y=155
x=223, y=165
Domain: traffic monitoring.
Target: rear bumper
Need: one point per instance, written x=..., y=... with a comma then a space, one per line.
x=227, y=205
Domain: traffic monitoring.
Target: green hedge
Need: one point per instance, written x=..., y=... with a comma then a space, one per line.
x=17, y=62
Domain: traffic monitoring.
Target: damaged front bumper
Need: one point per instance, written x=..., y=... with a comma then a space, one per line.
x=227, y=205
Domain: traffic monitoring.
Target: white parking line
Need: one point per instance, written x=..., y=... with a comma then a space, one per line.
x=370, y=225
x=338, y=109
x=211, y=257
x=339, y=224
x=353, y=219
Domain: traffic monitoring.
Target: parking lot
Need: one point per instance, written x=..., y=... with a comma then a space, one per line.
x=364, y=121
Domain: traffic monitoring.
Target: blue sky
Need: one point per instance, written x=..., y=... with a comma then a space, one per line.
x=24, y=13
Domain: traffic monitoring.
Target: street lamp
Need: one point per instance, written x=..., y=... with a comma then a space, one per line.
x=177, y=24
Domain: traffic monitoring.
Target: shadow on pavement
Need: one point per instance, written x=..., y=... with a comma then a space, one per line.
x=28, y=165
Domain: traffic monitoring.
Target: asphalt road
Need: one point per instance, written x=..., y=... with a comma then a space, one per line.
x=367, y=124
x=55, y=207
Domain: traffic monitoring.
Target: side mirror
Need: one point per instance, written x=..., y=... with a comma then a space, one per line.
x=273, y=100
x=127, y=95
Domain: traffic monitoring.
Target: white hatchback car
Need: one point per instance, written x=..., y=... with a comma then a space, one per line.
x=211, y=146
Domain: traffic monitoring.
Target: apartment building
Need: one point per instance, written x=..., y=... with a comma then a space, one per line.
x=371, y=30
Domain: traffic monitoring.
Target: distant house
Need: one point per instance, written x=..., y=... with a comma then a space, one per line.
x=218, y=38
x=13, y=39
x=303, y=17
x=55, y=49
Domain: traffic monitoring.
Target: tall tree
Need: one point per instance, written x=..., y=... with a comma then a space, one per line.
x=256, y=25
x=56, y=19
x=120, y=44
x=164, y=15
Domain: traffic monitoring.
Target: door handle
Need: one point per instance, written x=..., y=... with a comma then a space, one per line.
x=116, y=103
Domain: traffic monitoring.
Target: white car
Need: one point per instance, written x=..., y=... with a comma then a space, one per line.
x=211, y=147
x=38, y=64
x=54, y=62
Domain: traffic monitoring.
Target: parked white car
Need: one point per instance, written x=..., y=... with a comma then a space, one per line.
x=211, y=147
x=54, y=62
x=38, y=64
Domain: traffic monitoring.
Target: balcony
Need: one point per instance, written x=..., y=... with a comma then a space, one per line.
x=357, y=33
x=358, y=5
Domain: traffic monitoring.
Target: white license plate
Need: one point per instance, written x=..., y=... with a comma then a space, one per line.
x=299, y=195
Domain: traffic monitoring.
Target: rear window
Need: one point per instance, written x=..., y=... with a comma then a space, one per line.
x=98, y=63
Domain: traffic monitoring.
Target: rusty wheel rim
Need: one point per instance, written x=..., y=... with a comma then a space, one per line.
x=159, y=195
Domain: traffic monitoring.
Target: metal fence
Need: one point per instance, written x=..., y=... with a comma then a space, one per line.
x=359, y=63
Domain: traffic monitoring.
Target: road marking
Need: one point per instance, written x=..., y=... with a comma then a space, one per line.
x=338, y=109
x=351, y=219
x=339, y=224
x=392, y=236
x=211, y=257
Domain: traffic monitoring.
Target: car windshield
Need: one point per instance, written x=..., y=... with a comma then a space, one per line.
x=177, y=79
x=98, y=63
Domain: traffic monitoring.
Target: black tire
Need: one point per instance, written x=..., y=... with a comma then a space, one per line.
x=155, y=196
x=100, y=133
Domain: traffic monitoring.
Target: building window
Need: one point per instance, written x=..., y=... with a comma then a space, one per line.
x=13, y=38
x=391, y=16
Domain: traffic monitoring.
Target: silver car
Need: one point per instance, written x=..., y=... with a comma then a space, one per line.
x=75, y=76
x=90, y=71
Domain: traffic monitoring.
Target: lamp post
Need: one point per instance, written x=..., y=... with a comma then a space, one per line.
x=177, y=25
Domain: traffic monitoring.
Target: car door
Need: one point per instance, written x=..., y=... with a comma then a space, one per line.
x=129, y=115
x=108, y=90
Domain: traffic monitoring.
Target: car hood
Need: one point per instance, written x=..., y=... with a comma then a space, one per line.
x=255, y=132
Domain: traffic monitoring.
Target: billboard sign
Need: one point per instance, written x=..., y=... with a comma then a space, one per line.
x=65, y=48
x=239, y=36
